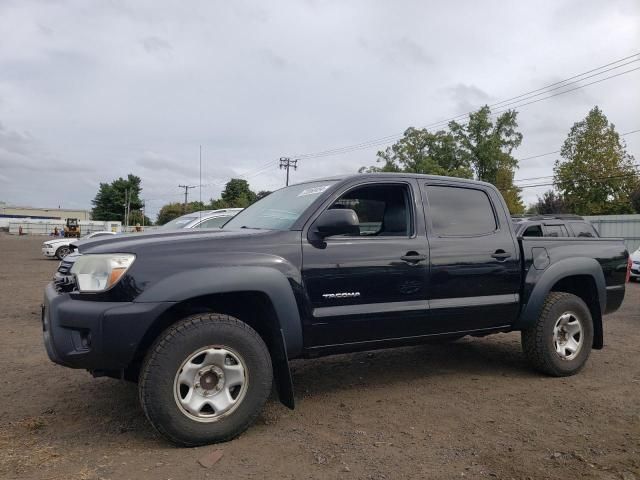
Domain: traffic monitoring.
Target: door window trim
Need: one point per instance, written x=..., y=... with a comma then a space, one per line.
x=412, y=198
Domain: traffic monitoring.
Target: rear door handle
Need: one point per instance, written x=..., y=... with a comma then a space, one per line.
x=413, y=258
x=500, y=255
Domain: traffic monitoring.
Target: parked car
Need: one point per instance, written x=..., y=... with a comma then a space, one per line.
x=635, y=265
x=204, y=321
x=59, y=247
x=203, y=219
x=554, y=226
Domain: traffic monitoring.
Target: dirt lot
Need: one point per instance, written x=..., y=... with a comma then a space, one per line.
x=472, y=409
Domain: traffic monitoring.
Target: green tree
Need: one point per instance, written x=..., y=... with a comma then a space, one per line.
x=136, y=217
x=550, y=202
x=487, y=146
x=420, y=151
x=237, y=194
x=635, y=199
x=596, y=174
x=174, y=210
x=109, y=202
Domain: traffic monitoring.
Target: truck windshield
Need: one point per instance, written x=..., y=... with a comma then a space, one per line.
x=280, y=209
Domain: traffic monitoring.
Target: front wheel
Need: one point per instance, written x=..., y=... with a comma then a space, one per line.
x=205, y=380
x=560, y=341
x=62, y=252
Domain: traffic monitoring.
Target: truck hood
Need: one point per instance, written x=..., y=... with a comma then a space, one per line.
x=171, y=240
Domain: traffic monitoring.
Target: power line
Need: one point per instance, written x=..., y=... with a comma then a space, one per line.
x=596, y=179
x=567, y=79
x=557, y=151
x=386, y=139
x=503, y=103
x=523, y=97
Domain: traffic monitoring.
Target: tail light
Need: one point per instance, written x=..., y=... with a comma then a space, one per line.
x=628, y=268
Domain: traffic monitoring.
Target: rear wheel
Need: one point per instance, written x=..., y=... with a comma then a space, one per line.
x=560, y=342
x=205, y=380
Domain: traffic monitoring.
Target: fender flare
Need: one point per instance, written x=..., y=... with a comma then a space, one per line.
x=543, y=281
x=273, y=283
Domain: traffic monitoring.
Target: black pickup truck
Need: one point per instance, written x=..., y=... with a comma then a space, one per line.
x=206, y=320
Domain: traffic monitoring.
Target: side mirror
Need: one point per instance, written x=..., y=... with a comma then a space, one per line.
x=337, y=222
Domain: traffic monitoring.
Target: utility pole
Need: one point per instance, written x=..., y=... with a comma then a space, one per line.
x=200, y=186
x=286, y=162
x=126, y=209
x=186, y=194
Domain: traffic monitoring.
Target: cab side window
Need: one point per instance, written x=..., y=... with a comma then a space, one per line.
x=460, y=211
x=533, y=231
x=556, y=231
x=383, y=210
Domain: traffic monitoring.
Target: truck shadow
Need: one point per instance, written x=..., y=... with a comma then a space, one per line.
x=115, y=413
x=470, y=357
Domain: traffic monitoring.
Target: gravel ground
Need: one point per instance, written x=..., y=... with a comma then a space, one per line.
x=471, y=409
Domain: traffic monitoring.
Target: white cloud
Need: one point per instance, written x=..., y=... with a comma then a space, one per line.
x=93, y=91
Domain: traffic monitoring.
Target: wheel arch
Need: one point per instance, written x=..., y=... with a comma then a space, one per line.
x=261, y=297
x=582, y=277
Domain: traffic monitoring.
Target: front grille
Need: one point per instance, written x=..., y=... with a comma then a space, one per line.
x=63, y=280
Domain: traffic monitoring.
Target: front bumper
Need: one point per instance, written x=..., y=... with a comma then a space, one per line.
x=95, y=335
x=48, y=251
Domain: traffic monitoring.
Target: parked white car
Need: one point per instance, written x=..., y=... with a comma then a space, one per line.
x=59, y=247
x=203, y=219
x=635, y=265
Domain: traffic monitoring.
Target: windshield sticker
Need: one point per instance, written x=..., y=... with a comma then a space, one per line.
x=313, y=191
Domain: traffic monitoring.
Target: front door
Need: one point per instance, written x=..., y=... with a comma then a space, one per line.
x=370, y=286
x=475, y=262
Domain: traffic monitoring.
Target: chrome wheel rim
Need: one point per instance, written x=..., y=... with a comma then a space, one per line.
x=568, y=336
x=63, y=252
x=210, y=384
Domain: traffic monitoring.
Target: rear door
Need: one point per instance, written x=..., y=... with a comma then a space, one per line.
x=474, y=279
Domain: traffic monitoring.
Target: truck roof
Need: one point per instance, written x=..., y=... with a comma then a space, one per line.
x=420, y=176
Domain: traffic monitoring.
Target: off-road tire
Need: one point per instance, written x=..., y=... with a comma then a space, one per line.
x=538, y=343
x=62, y=252
x=163, y=361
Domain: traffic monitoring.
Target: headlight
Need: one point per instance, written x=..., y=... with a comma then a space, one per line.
x=97, y=273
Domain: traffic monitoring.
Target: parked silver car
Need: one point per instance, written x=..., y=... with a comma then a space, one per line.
x=202, y=219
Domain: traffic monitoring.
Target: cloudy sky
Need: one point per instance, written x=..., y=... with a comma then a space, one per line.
x=90, y=91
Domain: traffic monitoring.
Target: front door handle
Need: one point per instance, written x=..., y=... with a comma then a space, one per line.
x=413, y=257
x=500, y=255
